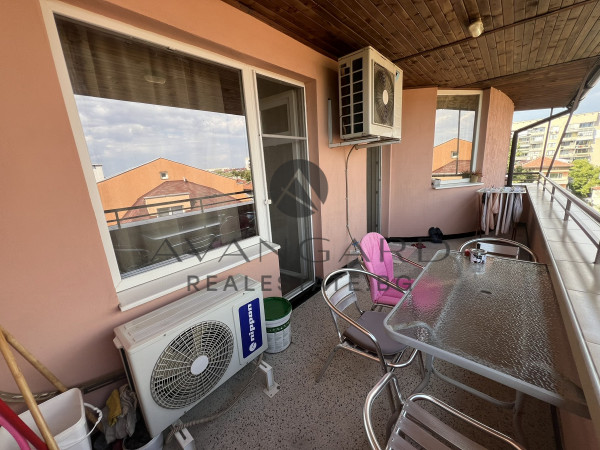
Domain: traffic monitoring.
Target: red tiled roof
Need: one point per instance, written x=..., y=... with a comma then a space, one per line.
x=536, y=163
x=464, y=165
x=175, y=187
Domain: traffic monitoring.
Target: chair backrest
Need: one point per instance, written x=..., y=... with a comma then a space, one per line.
x=377, y=258
x=501, y=250
x=423, y=427
x=500, y=247
x=418, y=425
x=339, y=294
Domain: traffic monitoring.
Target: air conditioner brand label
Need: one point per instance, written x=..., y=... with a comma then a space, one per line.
x=250, y=327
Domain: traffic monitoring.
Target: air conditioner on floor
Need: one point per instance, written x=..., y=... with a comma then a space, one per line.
x=370, y=92
x=177, y=355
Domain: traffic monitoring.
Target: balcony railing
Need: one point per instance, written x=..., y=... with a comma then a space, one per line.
x=197, y=204
x=566, y=200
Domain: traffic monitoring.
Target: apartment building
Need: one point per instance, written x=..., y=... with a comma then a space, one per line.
x=581, y=140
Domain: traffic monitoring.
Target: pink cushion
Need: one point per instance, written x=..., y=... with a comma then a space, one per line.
x=427, y=299
x=378, y=260
x=390, y=296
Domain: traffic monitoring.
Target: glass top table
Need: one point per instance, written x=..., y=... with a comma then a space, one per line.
x=500, y=319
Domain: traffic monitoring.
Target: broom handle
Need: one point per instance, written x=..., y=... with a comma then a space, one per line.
x=27, y=395
x=41, y=368
x=33, y=361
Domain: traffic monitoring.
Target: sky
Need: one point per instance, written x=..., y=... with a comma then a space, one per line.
x=446, y=125
x=591, y=103
x=121, y=135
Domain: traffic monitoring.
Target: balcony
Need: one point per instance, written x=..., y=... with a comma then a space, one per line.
x=62, y=279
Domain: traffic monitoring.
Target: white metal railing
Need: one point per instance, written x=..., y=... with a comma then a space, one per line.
x=584, y=208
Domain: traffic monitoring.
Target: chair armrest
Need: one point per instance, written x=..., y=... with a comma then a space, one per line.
x=437, y=426
x=371, y=396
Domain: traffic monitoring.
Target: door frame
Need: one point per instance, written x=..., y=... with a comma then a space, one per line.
x=305, y=226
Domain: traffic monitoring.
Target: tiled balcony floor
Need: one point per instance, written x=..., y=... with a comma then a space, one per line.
x=328, y=415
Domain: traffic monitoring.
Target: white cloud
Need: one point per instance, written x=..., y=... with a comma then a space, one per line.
x=121, y=135
x=446, y=125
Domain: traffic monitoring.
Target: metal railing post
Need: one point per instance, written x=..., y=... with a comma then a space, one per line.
x=570, y=200
x=567, y=210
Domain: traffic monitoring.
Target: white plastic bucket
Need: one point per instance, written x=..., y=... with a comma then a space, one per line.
x=278, y=312
x=156, y=443
x=65, y=416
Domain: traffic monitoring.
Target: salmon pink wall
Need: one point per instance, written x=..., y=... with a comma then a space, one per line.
x=58, y=296
x=414, y=206
x=496, y=126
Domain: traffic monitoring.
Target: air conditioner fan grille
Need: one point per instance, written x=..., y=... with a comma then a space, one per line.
x=383, y=96
x=175, y=382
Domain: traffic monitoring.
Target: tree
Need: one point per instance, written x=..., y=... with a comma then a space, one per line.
x=584, y=176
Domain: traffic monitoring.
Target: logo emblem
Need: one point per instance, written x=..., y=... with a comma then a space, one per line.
x=291, y=185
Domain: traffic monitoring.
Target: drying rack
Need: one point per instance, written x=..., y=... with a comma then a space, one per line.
x=507, y=197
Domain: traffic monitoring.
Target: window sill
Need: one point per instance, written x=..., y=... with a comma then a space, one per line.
x=158, y=287
x=456, y=185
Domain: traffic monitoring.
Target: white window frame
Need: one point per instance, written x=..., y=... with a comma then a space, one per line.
x=142, y=288
x=475, y=146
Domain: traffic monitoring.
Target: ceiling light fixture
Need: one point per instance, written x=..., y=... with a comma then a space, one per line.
x=476, y=28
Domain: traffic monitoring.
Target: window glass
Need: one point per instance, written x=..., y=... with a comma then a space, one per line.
x=167, y=138
x=455, y=128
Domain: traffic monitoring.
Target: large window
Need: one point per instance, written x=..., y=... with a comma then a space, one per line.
x=456, y=120
x=168, y=141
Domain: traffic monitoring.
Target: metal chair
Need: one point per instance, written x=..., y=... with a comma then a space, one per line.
x=417, y=428
x=500, y=247
x=376, y=257
x=364, y=335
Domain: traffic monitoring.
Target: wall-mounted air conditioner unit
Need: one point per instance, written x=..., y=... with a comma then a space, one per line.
x=177, y=355
x=370, y=95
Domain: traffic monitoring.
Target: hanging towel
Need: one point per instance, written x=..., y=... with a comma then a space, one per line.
x=508, y=217
x=490, y=214
x=500, y=211
x=484, y=211
x=495, y=208
x=517, y=207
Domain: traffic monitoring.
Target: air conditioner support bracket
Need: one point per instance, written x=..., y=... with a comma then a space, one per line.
x=185, y=439
x=371, y=141
x=271, y=388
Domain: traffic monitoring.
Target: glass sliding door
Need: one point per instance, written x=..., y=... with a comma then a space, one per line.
x=284, y=141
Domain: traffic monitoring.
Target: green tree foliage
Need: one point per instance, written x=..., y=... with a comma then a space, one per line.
x=244, y=174
x=584, y=176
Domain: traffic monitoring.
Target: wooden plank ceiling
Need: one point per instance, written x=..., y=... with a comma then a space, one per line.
x=537, y=52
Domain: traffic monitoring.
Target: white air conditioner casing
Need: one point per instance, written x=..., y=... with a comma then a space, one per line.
x=177, y=355
x=370, y=93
